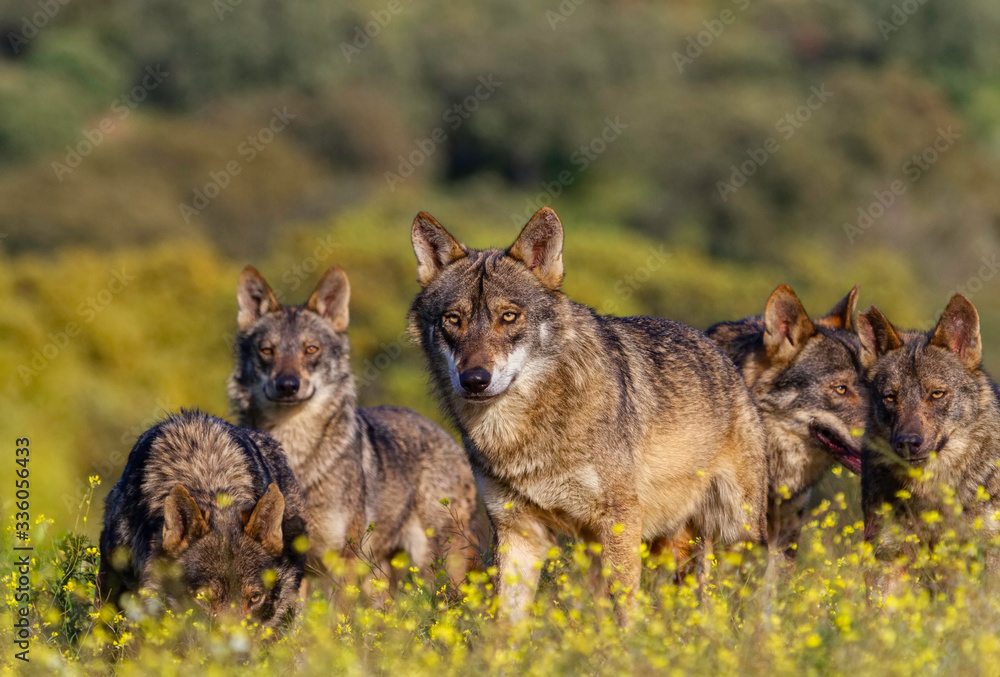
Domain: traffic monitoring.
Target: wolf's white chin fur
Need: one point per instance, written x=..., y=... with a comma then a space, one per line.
x=501, y=379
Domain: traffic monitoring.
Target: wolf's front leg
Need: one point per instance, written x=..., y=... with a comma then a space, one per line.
x=520, y=546
x=620, y=534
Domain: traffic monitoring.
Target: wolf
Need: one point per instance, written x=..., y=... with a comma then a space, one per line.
x=806, y=378
x=207, y=512
x=616, y=430
x=933, y=441
x=383, y=466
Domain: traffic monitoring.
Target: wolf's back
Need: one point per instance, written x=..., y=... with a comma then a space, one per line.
x=676, y=361
x=412, y=449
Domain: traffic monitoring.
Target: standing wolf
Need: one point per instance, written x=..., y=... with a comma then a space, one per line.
x=934, y=435
x=217, y=500
x=613, y=429
x=806, y=378
x=383, y=466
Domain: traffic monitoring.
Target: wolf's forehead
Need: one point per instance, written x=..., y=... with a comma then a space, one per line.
x=485, y=277
x=937, y=363
x=916, y=363
x=292, y=323
x=826, y=355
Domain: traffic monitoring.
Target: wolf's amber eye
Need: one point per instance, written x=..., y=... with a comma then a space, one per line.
x=937, y=394
x=256, y=598
x=266, y=350
x=840, y=390
x=889, y=398
x=311, y=349
x=509, y=317
x=454, y=319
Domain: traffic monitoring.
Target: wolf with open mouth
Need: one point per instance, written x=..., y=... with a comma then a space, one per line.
x=806, y=378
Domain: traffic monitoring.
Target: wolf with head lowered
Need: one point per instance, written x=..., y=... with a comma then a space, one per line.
x=205, y=511
x=616, y=430
x=805, y=375
x=380, y=466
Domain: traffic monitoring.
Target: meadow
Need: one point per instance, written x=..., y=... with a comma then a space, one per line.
x=942, y=620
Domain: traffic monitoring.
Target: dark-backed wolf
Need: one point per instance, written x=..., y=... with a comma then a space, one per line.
x=806, y=378
x=933, y=439
x=205, y=512
x=382, y=466
x=612, y=429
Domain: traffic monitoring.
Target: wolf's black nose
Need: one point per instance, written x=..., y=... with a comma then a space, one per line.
x=286, y=385
x=908, y=445
x=475, y=380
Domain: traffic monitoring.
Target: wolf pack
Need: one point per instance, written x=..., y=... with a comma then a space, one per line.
x=638, y=434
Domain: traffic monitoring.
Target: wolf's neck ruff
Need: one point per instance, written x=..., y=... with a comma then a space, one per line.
x=317, y=435
x=554, y=387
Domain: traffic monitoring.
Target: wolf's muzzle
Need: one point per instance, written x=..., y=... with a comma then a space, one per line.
x=475, y=380
x=286, y=385
x=910, y=446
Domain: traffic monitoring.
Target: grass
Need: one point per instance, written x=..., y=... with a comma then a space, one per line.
x=943, y=619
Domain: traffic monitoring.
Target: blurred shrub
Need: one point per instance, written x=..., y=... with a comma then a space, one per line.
x=370, y=85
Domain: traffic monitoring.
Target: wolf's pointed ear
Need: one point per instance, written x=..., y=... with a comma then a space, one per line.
x=958, y=331
x=434, y=246
x=331, y=298
x=842, y=315
x=254, y=296
x=539, y=246
x=183, y=521
x=786, y=325
x=264, y=525
x=877, y=335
